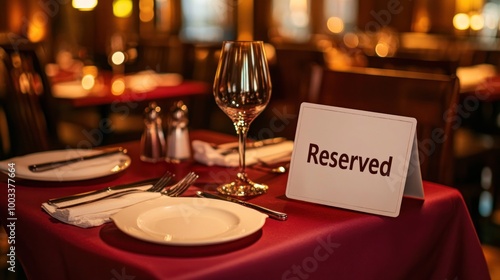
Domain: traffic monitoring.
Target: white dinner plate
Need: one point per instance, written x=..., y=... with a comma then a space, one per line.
x=87, y=169
x=188, y=221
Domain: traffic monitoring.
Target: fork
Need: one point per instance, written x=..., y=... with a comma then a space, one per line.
x=157, y=187
x=173, y=191
x=181, y=186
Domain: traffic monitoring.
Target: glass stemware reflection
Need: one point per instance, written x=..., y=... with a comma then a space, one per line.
x=242, y=89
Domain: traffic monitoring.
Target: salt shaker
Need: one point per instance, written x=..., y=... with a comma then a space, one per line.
x=178, y=145
x=153, y=138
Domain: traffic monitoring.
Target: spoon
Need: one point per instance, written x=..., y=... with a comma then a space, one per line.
x=272, y=169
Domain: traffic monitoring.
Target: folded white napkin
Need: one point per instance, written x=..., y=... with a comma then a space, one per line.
x=98, y=212
x=206, y=154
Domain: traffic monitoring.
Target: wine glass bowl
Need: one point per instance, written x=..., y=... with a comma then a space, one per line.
x=242, y=89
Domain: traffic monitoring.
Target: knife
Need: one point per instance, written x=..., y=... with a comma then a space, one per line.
x=273, y=214
x=228, y=148
x=40, y=167
x=54, y=201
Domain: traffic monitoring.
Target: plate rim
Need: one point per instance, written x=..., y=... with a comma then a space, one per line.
x=126, y=219
x=84, y=152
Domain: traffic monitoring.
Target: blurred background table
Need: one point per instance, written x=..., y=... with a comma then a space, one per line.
x=110, y=89
x=114, y=104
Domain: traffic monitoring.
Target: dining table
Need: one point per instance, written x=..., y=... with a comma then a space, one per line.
x=112, y=89
x=181, y=90
x=126, y=96
x=432, y=238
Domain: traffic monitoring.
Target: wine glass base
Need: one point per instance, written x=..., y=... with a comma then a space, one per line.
x=242, y=188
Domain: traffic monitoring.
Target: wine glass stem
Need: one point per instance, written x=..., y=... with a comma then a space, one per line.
x=242, y=140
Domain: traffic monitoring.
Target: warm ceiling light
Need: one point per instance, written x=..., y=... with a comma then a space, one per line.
x=146, y=10
x=84, y=5
x=476, y=22
x=122, y=8
x=461, y=21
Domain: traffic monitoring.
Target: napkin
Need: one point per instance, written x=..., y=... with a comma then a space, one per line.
x=98, y=212
x=203, y=152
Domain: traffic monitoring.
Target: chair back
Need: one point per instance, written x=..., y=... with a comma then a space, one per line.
x=291, y=66
x=24, y=102
x=430, y=99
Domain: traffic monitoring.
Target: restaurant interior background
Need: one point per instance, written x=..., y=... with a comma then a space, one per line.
x=451, y=37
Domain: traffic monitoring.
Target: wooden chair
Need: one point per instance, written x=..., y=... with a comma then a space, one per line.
x=24, y=102
x=291, y=65
x=431, y=99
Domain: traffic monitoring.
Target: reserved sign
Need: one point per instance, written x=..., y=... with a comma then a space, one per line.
x=354, y=159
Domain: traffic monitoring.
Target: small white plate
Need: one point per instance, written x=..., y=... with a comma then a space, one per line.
x=83, y=170
x=188, y=221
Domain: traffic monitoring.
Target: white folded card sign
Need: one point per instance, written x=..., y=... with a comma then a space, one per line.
x=354, y=159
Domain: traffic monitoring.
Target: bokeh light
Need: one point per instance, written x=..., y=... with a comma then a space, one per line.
x=351, y=40
x=118, y=58
x=122, y=8
x=118, y=86
x=146, y=10
x=335, y=25
x=84, y=5
x=476, y=22
x=461, y=21
x=382, y=49
x=88, y=82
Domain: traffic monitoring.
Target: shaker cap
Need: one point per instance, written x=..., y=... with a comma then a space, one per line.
x=179, y=114
x=152, y=112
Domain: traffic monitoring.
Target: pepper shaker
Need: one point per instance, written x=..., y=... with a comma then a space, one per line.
x=178, y=145
x=153, y=138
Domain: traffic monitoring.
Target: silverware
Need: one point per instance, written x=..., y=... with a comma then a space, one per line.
x=40, y=167
x=158, y=186
x=181, y=186
x=54, y=201
x=272, y=213
x=173, y=191
x=228, y=148
x=280, y=169
x=279, y=164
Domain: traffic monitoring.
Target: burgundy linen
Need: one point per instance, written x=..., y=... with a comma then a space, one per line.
x=431, y=239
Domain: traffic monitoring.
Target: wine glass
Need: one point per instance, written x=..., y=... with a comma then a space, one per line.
x=242, y=89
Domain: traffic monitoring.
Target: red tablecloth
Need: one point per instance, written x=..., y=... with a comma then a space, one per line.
x=431, y=239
